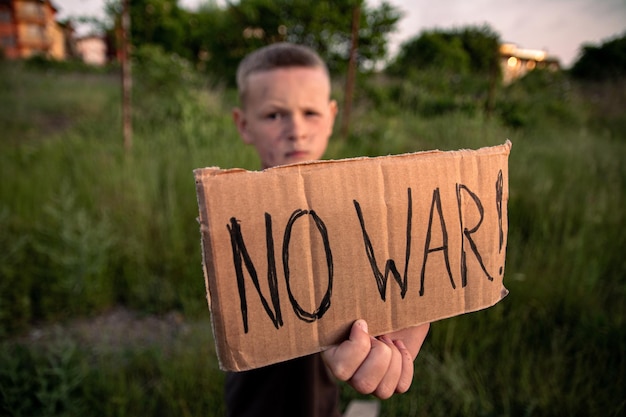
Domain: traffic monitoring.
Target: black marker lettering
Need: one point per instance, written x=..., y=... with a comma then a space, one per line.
x=436, y=202
x=325, y=303
x=499, y=195
x=390, y=265
x=241, y=256
x=467, y=234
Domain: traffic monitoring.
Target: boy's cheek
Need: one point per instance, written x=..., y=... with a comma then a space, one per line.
x=246, y=138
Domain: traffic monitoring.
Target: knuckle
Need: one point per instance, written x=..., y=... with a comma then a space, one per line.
x=406, y=378
x=385, y=391
x=342, y=372
x=383, y=351
x=364, y=385
x=403, y=386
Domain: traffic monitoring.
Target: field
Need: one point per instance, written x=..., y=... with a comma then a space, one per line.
x=102, y=305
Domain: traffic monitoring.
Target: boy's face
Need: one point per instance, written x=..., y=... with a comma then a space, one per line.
x=288, y=115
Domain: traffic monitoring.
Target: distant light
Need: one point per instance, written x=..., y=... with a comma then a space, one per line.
x=508, y=48
x=512, y=62
x=531, y=65
x=251, y=32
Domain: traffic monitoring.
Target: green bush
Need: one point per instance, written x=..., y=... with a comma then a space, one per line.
x=428, y=93
x=541, y=98
x=62, y=375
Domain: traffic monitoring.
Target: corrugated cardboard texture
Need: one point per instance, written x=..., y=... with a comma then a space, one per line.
x=293, y=255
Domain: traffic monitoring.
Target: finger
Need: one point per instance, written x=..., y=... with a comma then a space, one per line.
x=372, y=370
x=389, y=383
x=344, y=359
x=412, y=337
x=422, y=332
x=406, y=375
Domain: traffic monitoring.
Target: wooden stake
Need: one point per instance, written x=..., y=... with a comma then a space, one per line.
x=347, y=109
x=127, y=81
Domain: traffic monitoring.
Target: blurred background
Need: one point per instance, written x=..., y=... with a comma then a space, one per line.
x=107, y=107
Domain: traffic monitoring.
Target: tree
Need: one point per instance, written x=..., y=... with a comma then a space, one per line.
x=431, y=50
x=160, y=22
x=217, y=38
x=483, y=47
x=441, y=71
x=323, y=25
x=607, y=61
x=467, y=50
x=326, y=26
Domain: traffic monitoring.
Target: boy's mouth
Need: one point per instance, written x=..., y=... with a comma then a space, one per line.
x=298, y=154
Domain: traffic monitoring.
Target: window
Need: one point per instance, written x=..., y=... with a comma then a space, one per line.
x=32, y=9
x=34, y=33
x=5, y=16
x=7, y=41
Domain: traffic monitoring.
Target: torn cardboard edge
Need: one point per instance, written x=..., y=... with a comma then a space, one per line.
x=293, y=255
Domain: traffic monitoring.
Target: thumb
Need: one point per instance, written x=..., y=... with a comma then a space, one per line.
x=359, y=330
x=345, y=358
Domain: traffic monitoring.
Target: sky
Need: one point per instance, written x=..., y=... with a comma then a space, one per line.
x=559, y=27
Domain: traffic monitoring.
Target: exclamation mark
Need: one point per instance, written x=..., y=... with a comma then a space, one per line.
x=499, y=192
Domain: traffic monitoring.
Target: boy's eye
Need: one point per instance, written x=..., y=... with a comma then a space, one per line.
x=273, y=116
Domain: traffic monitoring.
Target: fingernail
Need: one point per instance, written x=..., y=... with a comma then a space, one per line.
x=363, y=325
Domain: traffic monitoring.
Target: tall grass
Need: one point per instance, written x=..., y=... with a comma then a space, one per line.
x=86, y=226
x=103, y=226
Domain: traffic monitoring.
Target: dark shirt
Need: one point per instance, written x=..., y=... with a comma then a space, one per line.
x=301, y=387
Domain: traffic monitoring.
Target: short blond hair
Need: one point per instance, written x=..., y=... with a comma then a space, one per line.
x=276, y=56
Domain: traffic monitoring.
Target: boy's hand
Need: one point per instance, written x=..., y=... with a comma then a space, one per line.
x=381, y=366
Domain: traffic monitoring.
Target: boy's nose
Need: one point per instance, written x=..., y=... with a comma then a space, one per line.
x=296, y=128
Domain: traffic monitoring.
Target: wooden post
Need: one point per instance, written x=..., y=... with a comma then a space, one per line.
x=347, y=108
x=127, y=80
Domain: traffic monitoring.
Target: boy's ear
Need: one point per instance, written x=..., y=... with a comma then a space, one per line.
x=239, y=118
x=334, y=108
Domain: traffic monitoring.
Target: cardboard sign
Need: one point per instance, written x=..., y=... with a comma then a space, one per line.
x=293, y=255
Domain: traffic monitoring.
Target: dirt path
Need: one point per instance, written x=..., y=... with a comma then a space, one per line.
x=116, y=329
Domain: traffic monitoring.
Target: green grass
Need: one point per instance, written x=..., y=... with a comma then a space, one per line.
x=86, y=226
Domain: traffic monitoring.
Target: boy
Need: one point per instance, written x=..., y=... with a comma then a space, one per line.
x=287, y=115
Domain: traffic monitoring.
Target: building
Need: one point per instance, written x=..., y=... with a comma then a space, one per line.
x=517, y=62
x=92, y=50
x=29, y=28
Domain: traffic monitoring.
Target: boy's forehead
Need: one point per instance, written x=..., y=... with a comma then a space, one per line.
x=278, y=71
x=270, y=79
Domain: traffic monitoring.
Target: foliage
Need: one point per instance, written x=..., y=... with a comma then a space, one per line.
x=162, y=74
x=541, y=97
x=607, y=61
x=162, y=23
x=69, y=228
x=430, y=93
x=327, y=29
x=440, y=71
x=459, y=51
x=32, y=383
x=41, y=62
x=63, y=375
x=323, y=25
x=215, y=39
x=605, y=101
x=432, y=50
